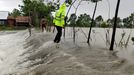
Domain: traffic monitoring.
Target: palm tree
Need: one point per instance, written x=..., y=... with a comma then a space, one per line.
x=114, y=27
x=96, y=3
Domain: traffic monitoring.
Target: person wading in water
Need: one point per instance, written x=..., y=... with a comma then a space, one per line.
x=59, y=21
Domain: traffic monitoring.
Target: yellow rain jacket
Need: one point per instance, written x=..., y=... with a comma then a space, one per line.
x=60, y=15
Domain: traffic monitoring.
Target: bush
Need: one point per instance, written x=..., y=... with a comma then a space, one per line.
x=2, y=27
x=104, y=25
x=5, y=27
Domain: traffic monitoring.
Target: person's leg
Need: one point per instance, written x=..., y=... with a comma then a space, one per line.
x=42, y=28
x=29, y=29
x=58, y=35
x=45, y=28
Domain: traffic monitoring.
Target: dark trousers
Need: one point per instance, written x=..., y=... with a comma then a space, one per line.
x=58, y=35
x=43, y=26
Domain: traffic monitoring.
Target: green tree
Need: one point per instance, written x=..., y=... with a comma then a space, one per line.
x=104, y=24
x=109, y=22
x=98, y=21
x=72, y=20
x=83, y=20
x=15, y=13
x=129, y=21
x=36, y=9
x=126, y=22
x=119, y=22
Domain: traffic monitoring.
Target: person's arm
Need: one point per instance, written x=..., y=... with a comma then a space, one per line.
x=63, y=16
x=31, y=25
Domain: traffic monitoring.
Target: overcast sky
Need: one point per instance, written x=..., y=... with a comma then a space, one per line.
x=126, y=7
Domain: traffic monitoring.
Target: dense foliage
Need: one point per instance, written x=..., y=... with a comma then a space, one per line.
x=39, y=8
x=84, y=20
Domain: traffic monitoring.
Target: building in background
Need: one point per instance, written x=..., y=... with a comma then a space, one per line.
x=3, y=17
x=22, y=20
x=11, y=21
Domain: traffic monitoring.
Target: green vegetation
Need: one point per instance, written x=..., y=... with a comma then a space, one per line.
x=15, y=13
x=84, y=20
x=5, y=27
x=37, y=9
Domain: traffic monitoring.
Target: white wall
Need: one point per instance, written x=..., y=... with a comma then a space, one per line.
x=3, y=14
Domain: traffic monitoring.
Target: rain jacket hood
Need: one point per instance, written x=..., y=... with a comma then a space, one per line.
x=60, y=15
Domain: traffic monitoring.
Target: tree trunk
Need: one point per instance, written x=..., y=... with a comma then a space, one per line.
x=91, y=24
x=114, y=27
